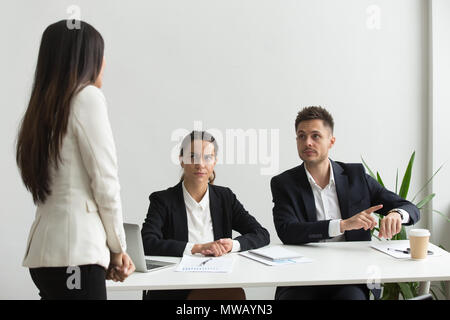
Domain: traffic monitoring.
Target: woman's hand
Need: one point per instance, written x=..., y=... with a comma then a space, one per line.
x=120, y=267
x=215, y=248
x=227, y=243
x=114, y=261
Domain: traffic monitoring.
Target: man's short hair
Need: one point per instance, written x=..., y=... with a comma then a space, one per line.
x=313, y=113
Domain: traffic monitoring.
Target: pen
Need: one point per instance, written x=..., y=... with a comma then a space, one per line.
x=428, y=251
x=204, y=262
x=408, y=251
x=402, y=251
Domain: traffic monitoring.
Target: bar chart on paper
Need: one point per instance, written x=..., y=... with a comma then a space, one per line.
x=205, y=264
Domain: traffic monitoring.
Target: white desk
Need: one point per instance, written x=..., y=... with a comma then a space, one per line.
x=334, y=263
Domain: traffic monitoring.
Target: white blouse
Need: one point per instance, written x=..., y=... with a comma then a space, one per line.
x=200, y=228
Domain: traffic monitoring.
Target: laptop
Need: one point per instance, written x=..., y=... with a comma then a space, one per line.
x=135, y=250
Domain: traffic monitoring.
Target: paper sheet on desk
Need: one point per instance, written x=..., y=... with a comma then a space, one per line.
x=389, y=248
x=205, y=264
x=275, y=262
x=275, y=253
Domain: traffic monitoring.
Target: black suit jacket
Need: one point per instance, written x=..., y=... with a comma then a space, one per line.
x=294, y=210
x=165, y=229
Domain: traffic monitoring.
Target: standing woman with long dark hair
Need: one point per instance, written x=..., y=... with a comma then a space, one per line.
x=67, y=159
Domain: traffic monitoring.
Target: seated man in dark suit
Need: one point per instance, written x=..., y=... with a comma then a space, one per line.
x=324, y=200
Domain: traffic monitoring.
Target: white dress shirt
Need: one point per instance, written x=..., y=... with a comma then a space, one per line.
x=327, y=206
x=200, y=228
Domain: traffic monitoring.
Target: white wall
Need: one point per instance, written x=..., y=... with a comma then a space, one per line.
x=440, y=108
x=230, y=64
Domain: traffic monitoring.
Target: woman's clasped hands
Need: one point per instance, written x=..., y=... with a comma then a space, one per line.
x=120, y=267
x=216, y=248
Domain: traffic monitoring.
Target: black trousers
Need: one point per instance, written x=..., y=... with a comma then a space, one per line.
x=70, y=283
x=336, y=292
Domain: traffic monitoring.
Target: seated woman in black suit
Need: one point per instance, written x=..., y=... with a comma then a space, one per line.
x=197, y=217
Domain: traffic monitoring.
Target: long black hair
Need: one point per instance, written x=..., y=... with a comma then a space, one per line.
x=69, y=59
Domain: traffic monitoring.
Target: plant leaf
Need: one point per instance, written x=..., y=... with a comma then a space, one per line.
x=405, y=290
x=434, y=294
x=407, y=178
x=414, y=288
x=428, y=182
x=380, y=181
x=443, y=215
x=401, y=235
x=443, y=289
x=368, y=169
x=390, y=291
x=396, y=182
x=425, y=200
x=376, y=237
x=440, y=287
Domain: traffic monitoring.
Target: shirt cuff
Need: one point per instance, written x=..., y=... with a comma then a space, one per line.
x=236, y=246
x=334, y=228
x=188, y=249
x=405, y=215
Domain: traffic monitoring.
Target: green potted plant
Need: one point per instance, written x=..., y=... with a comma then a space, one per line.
x=392, y=291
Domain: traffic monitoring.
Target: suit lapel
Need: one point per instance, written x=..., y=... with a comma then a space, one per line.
x=307, y=194
x=341, y=188
x=180, y=224
x=215, y=208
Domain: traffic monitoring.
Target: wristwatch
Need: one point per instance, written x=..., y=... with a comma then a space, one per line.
x=398, y=211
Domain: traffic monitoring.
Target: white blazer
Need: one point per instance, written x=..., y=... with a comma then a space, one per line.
x=81, y=220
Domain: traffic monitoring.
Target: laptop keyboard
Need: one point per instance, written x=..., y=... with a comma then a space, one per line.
x=151, y=266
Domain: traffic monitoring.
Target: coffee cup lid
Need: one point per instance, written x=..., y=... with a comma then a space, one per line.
x=419, y=233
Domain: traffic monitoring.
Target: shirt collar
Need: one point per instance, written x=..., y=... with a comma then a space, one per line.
x=312, y=182
x=191, y=203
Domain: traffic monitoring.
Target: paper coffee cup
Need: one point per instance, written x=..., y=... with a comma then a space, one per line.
x=418, y=242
